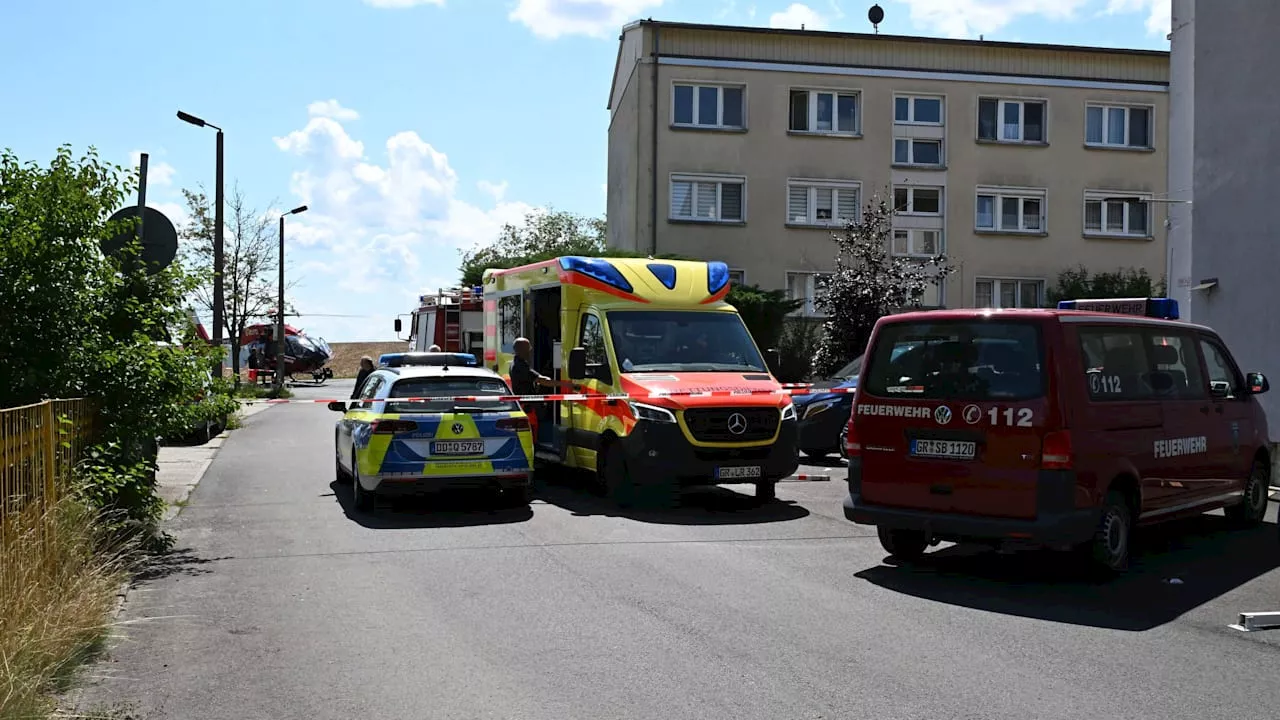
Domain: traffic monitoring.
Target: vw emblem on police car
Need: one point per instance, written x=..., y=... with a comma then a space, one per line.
x=457, y=428
x=737, y=423
x=972, y=414
x=942, y=415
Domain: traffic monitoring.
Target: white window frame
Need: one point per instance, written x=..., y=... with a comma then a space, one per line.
x=1100, y=196
x=911, y=200
x=812, y=115
x=912, y=234
x=911, y=109
x=1001, y=102
x=719, y=181
x=1126, y=107
x=812, y=185
x=996, y=282
x=809, y=309
x=720, y=87
x=740, y=274
x=998, y=195
x=911, y=152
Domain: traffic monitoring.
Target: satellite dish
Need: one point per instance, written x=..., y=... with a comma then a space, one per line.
x=159, y=238
x=876, y=16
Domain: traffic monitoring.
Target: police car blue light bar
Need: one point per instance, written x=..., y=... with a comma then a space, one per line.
x=1164, y=308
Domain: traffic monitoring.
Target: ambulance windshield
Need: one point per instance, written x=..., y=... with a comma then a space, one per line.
x=682, y=340
x=962, y=360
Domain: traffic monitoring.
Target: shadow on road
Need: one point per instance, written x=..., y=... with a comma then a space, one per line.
x=461, y=508
x=578, y=493
x=178, y=561
x=1176, y=568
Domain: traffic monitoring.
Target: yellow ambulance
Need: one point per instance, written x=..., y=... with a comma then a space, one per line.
x=694, y=401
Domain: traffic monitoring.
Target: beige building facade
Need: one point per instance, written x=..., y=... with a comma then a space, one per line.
x=751, y=145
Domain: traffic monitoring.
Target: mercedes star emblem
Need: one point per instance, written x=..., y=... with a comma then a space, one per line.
x=457, y=428
x=737, y=423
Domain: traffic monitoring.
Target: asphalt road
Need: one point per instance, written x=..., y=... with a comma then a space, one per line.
x=283, y=602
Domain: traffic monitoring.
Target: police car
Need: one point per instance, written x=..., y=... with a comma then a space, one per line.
x=469, y=437
x=1064, y=428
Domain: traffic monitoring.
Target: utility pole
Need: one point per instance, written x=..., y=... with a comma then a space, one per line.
x=280, y=344
x=218, y=202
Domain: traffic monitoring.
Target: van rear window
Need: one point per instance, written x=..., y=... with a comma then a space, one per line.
x=957, y=359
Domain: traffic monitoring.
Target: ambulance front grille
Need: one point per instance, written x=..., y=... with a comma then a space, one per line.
x=718, y=424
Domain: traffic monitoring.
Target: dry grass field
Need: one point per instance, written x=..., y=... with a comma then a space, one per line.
x=346, y=356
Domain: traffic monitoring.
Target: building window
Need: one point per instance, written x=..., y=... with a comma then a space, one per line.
x=917, y=110
x=1120, y=214
x=917, y=243
x=917, y=151
x=1011, y=120
x=707, y=198
x=821, y=202
x=708, y=106
x=737, y=277
x=1118, y=126
x=806, y=286
x=1010, y=210
x=824, y=112
x=1006, y=293
x=911, y=200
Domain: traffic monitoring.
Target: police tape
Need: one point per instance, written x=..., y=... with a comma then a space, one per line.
x=561, y=397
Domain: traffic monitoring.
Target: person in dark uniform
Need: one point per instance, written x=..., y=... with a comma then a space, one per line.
x=527, y=381
x=366, y=367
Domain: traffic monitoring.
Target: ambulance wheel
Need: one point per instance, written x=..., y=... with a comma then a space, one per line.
x=612, y=467
x=766, y=491
x=1109, y=548
x=364, y=499
x=903, y=544
x=1257, y=492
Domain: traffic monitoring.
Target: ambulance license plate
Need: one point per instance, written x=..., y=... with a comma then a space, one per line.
x=947, y=449
x=738, y=472
x=457, y=447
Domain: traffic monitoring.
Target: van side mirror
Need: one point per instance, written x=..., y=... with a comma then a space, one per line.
x=398, y=325
x=578, y=364
x=337, y=406
x=1257, y=383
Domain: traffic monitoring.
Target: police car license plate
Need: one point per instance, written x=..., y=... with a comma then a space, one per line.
x=950, y=449
x=738, y=472
x=457, y=447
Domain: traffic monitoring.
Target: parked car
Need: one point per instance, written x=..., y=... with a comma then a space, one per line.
x=824, y=414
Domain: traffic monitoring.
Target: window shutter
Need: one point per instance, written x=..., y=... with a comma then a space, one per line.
x=798, y=203
x=706, y=199
x=681, y=199
x=730, y=201
x=847, y=204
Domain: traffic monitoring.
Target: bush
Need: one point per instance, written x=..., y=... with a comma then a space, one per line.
x=764, y=312
x=1079, y=284
x=801, y=338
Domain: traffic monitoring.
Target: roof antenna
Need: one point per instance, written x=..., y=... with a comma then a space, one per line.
x=876, y=16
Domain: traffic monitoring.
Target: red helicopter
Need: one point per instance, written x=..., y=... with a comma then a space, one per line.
x=302, y=353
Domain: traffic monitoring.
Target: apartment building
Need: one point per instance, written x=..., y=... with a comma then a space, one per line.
x=1016, y=161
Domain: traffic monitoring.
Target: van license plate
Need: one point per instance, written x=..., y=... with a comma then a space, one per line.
x=740, y=472
x=950, y=449
x=458, y=447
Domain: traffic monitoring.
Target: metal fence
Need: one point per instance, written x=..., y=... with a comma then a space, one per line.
x=39, y=445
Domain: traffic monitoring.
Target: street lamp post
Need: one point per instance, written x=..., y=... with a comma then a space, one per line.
x=218, y=202
x=280, y=302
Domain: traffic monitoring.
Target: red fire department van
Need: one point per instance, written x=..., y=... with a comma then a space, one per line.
x=1057, y=428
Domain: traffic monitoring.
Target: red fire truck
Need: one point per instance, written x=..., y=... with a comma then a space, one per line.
x=451, y=318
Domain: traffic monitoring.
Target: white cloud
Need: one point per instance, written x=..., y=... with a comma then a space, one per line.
x=967, y=18
x=1159, y=13
x=551, y=19
x=797, y=15
x=495, y=190
x=332, y=109
x=378, y=227
x=397, y=4
x=159, y=172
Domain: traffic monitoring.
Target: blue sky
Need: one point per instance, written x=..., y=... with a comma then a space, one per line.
x=412, y=128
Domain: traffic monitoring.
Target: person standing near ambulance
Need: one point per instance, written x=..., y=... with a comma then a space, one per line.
x=527, y=381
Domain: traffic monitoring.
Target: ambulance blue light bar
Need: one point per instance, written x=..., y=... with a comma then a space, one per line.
x=717, y=276
x=1164, y=308
x=596, y=269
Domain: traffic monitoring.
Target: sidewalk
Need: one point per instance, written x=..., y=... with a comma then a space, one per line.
x=181, y=467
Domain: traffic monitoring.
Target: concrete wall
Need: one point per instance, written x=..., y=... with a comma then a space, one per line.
x=1236, y=169
x=1182, y=65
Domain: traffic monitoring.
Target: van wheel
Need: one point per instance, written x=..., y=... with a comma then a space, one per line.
x=766, y=491
x=1109, y=548
x=616, y=477
x=903, y=544
x=1253, y=507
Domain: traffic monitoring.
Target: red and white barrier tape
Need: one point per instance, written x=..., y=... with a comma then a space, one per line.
x=562, y=397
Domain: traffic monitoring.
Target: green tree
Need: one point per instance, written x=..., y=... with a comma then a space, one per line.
x=543, y=235
x=1079, y=284
x=868, y=284
x=78, y=324
x=764, y=312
